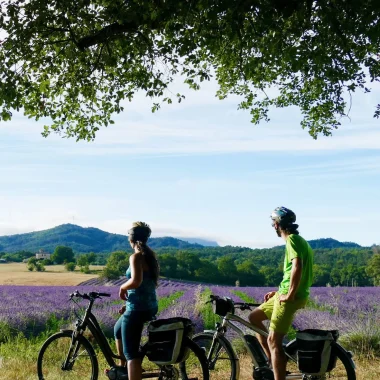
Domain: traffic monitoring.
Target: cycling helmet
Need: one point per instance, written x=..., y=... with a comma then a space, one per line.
x=283, y=215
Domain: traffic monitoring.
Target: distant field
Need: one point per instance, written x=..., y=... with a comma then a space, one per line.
x=54, y=275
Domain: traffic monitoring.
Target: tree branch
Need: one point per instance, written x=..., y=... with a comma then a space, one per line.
x=110, y=32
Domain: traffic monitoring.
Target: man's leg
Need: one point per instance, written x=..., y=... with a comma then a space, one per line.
x=277, y=354
x=281, y=320
x=256, y=318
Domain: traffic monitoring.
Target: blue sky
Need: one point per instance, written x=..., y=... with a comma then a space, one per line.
x=197, y=169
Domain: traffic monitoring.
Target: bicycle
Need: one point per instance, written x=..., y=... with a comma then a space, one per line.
x=68, y=354
x=222, y=357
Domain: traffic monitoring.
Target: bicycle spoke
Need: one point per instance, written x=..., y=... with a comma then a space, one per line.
x=55, y=357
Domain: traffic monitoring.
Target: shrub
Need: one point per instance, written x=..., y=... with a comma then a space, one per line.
x=70, y=267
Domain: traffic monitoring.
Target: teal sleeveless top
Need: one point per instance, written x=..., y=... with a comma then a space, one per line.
x=144, y=297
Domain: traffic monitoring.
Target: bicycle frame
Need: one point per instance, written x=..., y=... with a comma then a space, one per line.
x=227, y=323
x=90, y=322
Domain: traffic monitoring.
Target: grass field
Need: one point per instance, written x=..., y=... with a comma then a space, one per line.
x=21, y=349
x=54, y=275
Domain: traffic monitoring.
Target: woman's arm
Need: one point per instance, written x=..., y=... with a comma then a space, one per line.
x=136, y=265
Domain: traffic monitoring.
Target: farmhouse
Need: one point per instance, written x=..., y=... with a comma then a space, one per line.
x=41, y=254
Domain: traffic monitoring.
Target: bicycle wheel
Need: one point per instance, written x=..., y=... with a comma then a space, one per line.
x=58, y=359
x=344, y=369
x=221, y=358
x=194, y=368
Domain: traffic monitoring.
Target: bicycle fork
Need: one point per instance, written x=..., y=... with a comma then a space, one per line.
x=68, y=364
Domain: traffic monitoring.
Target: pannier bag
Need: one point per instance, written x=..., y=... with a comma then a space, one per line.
x=166, y=340
x=222, y=306
x=314, y=354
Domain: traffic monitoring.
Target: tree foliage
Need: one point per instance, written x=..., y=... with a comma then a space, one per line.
x=346, y=266
x=62, y=255
x=34, y=264
x=373, y=268
x=76, y=62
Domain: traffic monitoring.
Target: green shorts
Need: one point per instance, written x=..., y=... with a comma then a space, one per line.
x=281, y=316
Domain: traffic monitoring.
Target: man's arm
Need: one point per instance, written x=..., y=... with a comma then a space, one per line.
x=295, y=279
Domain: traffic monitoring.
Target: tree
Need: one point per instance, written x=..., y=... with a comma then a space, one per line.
x=373, y=269
x=116, y=266
x=76, y=62
x=62, y=254
x=227, y=269
x=168, y=265
x=82, y=260
x=249, y=275
x=208, y=272
x=273, y=276
x=91, y=257
x=34, y=264
x=321, y=275
x=187, y=264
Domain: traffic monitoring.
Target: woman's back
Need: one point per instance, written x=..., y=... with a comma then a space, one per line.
x=144, y=297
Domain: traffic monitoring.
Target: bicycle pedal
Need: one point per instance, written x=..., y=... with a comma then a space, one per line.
x=117, y=373
x=263, y=373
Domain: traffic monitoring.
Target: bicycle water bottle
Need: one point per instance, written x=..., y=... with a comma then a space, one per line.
x=257, y=351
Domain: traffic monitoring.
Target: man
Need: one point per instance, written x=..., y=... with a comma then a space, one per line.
x=279, y=307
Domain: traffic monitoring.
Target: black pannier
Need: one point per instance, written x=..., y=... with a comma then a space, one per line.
x=166, y=340
x=314, y=355
x=222, y=306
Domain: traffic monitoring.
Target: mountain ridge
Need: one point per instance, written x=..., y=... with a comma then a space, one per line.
x=81, y=239
x=92, y=239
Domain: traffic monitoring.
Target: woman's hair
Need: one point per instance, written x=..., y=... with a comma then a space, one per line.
x=289, y=228
x=139, y=234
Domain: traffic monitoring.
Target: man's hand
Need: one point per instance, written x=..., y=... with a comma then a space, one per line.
x=122, y=309
x=268, y=296
x=123, y=293
x=286, y=298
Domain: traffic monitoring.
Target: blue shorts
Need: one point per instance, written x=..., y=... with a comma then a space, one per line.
x=129, y=328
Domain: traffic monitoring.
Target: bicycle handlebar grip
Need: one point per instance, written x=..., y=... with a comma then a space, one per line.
x=104, y=295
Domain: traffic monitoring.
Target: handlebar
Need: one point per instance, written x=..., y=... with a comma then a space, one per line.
x=89, y=296
x=240, y=305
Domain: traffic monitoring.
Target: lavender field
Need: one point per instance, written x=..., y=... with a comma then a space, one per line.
x=31, y=310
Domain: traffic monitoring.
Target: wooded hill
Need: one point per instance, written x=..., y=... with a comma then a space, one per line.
x=81, y=240
x=336, y=263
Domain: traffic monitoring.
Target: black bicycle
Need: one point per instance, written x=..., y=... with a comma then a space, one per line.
x=222, y=357
x=68, y=354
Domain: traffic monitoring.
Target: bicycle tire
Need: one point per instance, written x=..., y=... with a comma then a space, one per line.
x=53, y=354
x=185, y=373
x=193, y=368
x=204, y=340
x=344, y=370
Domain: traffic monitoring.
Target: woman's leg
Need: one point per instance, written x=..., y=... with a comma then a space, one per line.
x=132, y=327
x=134, y=369
x=119, y=342
x=131, y=330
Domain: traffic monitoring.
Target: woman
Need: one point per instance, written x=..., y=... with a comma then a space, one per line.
x=140, y=293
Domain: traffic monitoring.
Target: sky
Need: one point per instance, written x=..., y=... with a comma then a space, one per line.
x=197, y=169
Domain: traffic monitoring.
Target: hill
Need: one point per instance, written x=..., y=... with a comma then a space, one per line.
x=90, y=239
x=81, y=239
x=204, y=242
x=331, y=243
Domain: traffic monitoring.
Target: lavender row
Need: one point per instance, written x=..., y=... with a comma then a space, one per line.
x=187, y=306
x=29, y=308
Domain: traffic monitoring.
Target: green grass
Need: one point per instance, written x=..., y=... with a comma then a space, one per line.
x=164, y=303
x=243, y=296
x=208, y=316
